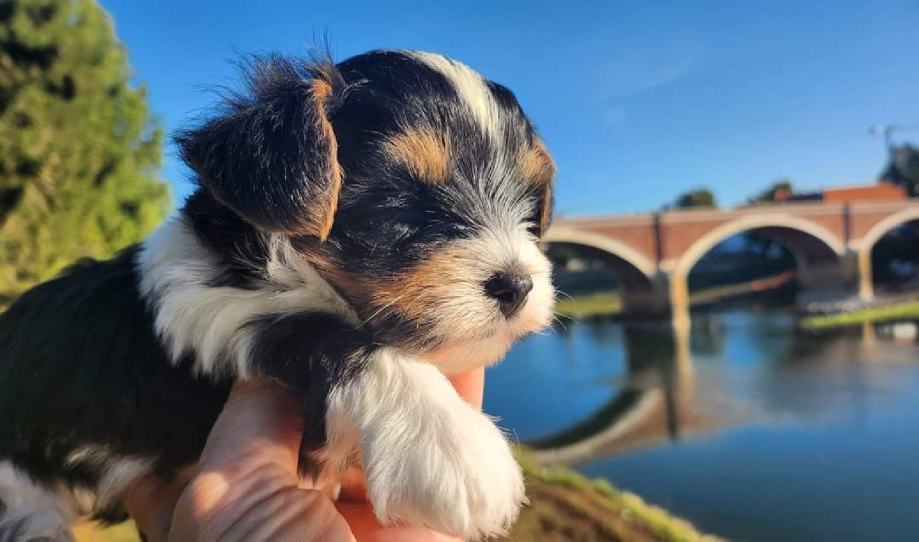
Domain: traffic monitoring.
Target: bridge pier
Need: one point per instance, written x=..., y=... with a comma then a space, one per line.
x=829, y=280
x=865, y=275
x=667, y=295
x=648, y=301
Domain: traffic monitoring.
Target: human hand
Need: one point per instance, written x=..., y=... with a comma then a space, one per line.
x=246, y=487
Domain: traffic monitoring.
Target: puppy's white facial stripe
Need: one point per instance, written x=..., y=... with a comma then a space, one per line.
x=192, y=316
x=430, y=458
x=470, y=86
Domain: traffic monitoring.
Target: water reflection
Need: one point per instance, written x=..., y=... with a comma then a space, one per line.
x=652, y=403
x=740, y=412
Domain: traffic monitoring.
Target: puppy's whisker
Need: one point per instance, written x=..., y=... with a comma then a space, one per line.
x=563, y=294
x=560, y=322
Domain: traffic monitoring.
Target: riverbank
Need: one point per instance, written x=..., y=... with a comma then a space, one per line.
x=564, y=506
x=906, y=310
x=609, y=303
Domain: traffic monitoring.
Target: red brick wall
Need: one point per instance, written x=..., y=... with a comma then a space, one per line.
x=876, y=192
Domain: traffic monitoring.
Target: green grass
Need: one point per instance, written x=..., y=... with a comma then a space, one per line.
x=609, y=303
x=597, y=510
x=898, y=311
x=586, y=306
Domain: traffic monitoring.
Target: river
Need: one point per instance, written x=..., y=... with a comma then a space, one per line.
x=745, y=425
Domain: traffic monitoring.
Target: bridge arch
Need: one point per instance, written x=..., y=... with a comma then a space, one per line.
x=813, y=234
x=883, y=227
x=871, y=237
x=635, y=269
x=809, y=242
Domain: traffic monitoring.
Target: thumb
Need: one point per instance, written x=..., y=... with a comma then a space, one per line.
x=258, y=426
x=246, y=486
x=260, y=422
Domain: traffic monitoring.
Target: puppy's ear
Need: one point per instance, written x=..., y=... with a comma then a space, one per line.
x=538, y=169
x=544, y=207
x=271, y=154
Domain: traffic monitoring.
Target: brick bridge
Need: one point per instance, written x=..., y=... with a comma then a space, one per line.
x=652, y=254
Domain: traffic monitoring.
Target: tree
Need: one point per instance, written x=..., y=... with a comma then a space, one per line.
x=903, y=168
x=696, y=198
x=79, y=154
x=777, y=191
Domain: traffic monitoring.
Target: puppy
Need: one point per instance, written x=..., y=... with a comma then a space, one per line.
x=358, y=232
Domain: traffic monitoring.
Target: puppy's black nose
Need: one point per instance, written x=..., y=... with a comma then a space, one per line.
x=510, y=290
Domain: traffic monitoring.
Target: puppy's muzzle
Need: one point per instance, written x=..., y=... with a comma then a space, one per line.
x=510, y=290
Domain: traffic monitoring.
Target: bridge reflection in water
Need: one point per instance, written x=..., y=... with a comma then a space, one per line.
x=666, y=397
x=656, y=404
x=766, y=432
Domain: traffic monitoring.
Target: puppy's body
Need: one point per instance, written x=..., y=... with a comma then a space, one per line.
x=351, y=221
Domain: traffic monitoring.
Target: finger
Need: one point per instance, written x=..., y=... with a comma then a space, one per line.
x=252, y=449
x=367, y=528
x=284, y=513
x=260, y=422
x=471, y=386
x=353, y=486
x=150, y=502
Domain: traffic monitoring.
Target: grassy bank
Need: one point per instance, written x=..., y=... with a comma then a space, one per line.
x=589, y=305
x=898, y=311
x=564, y=506
x=609, y=303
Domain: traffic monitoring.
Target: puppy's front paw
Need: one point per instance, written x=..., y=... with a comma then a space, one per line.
x=429, y=457
x=453, y=471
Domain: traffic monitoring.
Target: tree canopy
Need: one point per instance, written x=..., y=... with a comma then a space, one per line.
x=696, y=198
x=781, y=188
x=79, y=154
x=903, y=168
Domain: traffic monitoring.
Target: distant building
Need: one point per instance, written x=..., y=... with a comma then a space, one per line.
x=882, y=191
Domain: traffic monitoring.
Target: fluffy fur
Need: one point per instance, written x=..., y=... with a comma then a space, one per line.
x=347, y=223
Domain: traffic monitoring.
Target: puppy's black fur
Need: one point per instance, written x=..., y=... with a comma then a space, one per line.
x=81, y=364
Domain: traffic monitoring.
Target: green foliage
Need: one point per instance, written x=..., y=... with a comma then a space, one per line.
x=768, y=195
x=79, y=154
x=903, y=168
x=702, y=198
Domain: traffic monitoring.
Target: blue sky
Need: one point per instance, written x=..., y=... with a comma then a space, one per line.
x=637, y=102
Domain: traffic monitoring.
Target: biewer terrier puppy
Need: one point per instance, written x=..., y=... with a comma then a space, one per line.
x=358, y=232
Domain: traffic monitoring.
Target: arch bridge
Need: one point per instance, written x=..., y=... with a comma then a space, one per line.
x=652, y=254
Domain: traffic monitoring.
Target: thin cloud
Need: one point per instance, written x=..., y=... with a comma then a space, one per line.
x=639, y=72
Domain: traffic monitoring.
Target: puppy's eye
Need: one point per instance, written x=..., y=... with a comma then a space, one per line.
x=438, y=230
x=541, y=212
x=534, y=219
x=534, y=229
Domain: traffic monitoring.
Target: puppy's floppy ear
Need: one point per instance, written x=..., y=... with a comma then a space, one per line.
x=271, y=155
x=544, y=204
x=538, y=169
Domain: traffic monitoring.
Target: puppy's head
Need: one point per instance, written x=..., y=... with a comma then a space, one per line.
x=418, y=188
